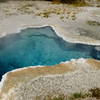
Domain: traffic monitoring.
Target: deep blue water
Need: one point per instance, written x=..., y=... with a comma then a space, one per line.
x=39, y=46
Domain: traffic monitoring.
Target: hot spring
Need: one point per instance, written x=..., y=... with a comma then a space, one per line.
x=39, y=46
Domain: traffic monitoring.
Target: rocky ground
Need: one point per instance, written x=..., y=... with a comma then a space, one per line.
x=79, y=24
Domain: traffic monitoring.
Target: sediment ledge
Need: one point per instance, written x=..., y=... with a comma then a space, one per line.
x=65, y=35
x=65, y=78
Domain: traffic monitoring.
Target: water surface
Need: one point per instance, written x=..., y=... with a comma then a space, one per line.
x=39, y=46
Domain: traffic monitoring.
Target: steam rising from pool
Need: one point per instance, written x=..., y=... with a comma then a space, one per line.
x=39, y=46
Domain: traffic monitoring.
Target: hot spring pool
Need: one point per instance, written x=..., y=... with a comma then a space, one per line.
x=39, y=46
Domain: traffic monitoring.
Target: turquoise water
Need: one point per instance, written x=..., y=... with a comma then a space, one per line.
x=39, y=46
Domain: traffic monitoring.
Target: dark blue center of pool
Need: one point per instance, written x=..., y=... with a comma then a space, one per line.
x=39, y=46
